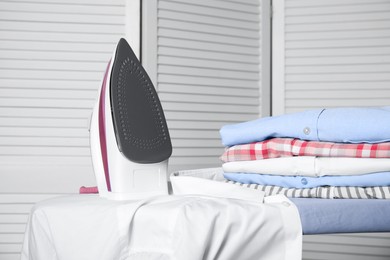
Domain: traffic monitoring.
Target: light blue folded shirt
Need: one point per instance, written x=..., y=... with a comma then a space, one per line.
x=301, y=182
x=343, y=125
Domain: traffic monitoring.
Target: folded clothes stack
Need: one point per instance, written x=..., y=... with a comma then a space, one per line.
x=322, y=153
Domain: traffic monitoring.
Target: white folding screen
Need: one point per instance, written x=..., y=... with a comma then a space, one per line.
x=52, y=58
x=209, y=60
x=332, y=53
x=329, y=53
x=53, y=55
x=357, y=246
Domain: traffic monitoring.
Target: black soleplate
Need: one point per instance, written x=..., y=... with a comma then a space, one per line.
x=139, y=122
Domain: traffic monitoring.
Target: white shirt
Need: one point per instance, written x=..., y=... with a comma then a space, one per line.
x=310, y=166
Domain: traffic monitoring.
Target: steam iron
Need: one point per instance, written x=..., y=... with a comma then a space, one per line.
x=130, y=142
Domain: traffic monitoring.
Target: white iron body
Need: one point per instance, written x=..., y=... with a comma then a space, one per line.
x=120, y=178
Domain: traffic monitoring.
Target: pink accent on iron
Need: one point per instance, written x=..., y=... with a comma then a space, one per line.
x=102, y=129
x=88, y=190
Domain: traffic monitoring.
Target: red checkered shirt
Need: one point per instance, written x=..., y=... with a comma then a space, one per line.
x=283, y=147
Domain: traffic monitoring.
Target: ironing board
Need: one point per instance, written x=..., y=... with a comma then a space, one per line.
x=332, y=228
x=318, y=216
x=165, y=227
x=64, y=226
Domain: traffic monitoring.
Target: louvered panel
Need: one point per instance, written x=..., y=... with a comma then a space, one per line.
x=55, y=36
x=346, y=26
x=206, y=81
x=310, y=3
x=18, y=198
x=179, y=161
x=345, y=17
x=24, y=150
x=11, y=238
x=344, y=43
x=60, y=17
x=18, y=208
x=206, y=29
x=63, y=7
x=50, y=103
x=103, y=29
x=49, y=46
x=207, y=116
x=43, y=141
x=349, y=62
x=6, y=256
x=14, y=218
x=334, y=102
x=343, y=7
x=190, y=125
x=50, y=84
x=202, y=134
x=100, y=3
x=382, y=85
x=196, y=142
x=43, y=122
x=196, y=18
x=46, y=93
x=221, y=39
x=52, y=58
x=49, y=162
x=203, y=99
x=221, y=66
x=208, y=72
x=208, y=90
x=217, y=11
x=235, y=6
x=37, y=131
x=23, y=181
x=338, y=77
x=361, y=34
x=49, y=168
x=69, y=66
x=347, y=246
x=207, y=46
x=248, y=2
x=338, y=52
x=212, y=56
x=226, y=108
x=341, y=94
x=335, y=53
x=10, y=248
x=336, y=68
x=27, y=55
x=14, y=228
x=195, y=151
